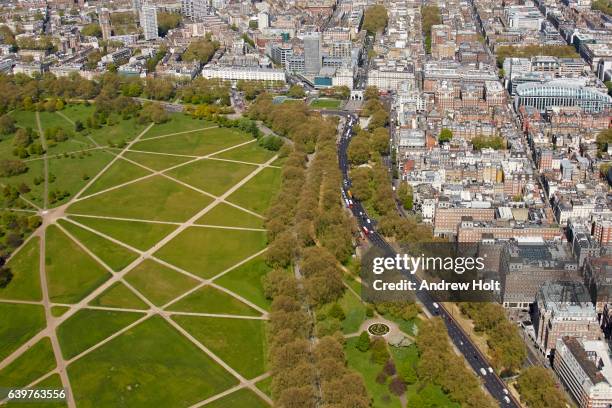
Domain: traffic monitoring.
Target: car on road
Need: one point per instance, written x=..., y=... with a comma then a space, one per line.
x=505, y=391
x=365, y=230
x=490, y=370
x=435, y=305
x=507, y=400
x=483, y=372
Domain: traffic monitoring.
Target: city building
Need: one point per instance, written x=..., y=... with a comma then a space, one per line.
x=148, y=22
x=105, y=24
x=561, y=93
x=312, y=53
x=194, y=9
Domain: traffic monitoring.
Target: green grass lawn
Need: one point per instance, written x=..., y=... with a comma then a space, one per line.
x=120, y=296
x=195, y=143
x=249, y=153
x=18, y=324
x=57, y=311
x=212, y=176
x=35, y=169
x=115, y=256
x=159, y=283
x=53, y=382
x=155, y=198
x=78, y=112
x=140, y=235
x=150, y=365
x=24, y=265
x=264, y=385
x=179, y=122
x=241, y=398
x=71, y=273
x=73, y=173
x=208, y=251
x=87, y=327
x=119, y=172
x=76, y=142
x=239, y=342
x=258, y=192
x=210, y=300
x=325, y=103
x=354, y=310
x=25, y=119
x=246, y=281
x=229, y=216
x=122, y=131
x=155, y=161
x=361, y=362
x=31, y=365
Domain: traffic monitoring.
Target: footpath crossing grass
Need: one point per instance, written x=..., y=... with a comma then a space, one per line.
x=24, y=265
x=251, y=152
x=239, y=342
x=31, y=365
x=155, y=198
x=119, y=296
x=211, y=300
x=208, y=251
x=240, y=398
x=87, y=327
x=114, y=255
x=120, y=172
x=179, y=122
x=246, y=281
x=158, y=283
x=140, y=235
x=71, y=273
x=155, y=161
x=227, y=215
x=150, y=365
x=212, y=176
x=18, y=324
x=198, y=143
x=258, y=192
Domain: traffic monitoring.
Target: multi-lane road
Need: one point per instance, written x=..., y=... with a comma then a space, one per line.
x=494, y=385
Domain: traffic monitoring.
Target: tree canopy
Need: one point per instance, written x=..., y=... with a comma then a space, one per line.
x=375, y=18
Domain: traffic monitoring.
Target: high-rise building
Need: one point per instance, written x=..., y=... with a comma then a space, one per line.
x=194, y=9
x=105, y=25
x=263, y=20
x=148, y=21
x=312, y=53
x=136, y=7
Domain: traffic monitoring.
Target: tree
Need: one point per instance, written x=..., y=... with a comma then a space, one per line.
x=363, y=343
x=7, y=125
x=296, y=91
x=371, y=92
x=359, y=150
x=166, y=22
x=5, y=277
x=361, y=177
x=397, y=386
x=405, y=195
x=538, y=389
x=375, y=19
x=445, y=136
x=153, y=112
x=380, y=140
x=10, y=168
x=200, y=50
x=380, y=354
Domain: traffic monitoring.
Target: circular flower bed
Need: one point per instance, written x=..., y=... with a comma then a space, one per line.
x=378, y=329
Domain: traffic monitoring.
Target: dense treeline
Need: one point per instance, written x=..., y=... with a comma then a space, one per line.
x=493, y=142
x=306, y=223
x=430, y=15
x=14, y=227
x=605, y=6
x=539, y=390
x=507, y=347
x=508, y=51
x=201, y=50
x=438, y=364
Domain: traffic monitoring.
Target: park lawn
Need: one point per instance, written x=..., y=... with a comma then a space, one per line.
x=354, y=310
x=279, y=162
x=150, y=365
x=212, y=176
x=258, y=192
x=35, y=169
x=246, y=281
x=209, y=251
x=251, y=152
x=25, y=119
x=195, y=143
x=76, y=142
x=71, y=273
x=155, y=198
x=78, y=111
x=57, y=311
x=53, y=382
x=241, y=343
x=430, y=394
x=226, y=215
x=121, y=171
x=6, y=147
x=155, y=161
x=119, y=296
x=37, y=361
x=241, y=398
x=112, y=254
x=325, y=103
x=19, y=323
x=210, y=300
x=88, y=327
x=158, y=283
x=72, y=173
x=25, y=266
x=405, y=358
x=179, y=122
x=265, y=386
x=361, y=362
x=138, y=234
x=122, y=131
x=352, y=283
